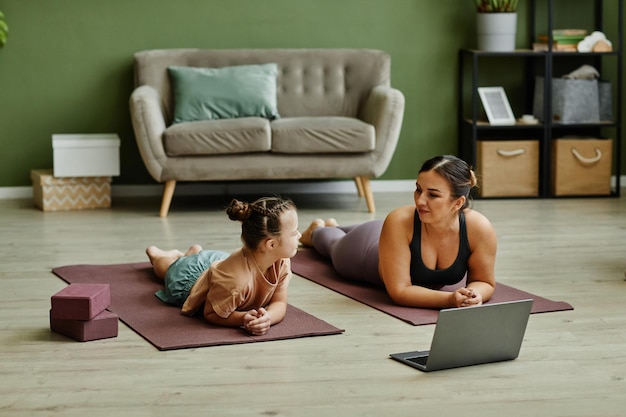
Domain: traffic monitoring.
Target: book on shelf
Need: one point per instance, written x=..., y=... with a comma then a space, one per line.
x=556, y=47
x=563, y=40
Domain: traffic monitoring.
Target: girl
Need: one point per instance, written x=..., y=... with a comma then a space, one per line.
x=246, y=288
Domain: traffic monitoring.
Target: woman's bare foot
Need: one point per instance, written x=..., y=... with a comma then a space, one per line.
x=330, y=222
x=307, y=235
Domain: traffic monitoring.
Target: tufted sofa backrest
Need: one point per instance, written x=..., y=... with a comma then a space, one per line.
x=310, y=82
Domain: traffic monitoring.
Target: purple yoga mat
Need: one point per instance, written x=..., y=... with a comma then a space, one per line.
x=133, y=300
x=310, y=265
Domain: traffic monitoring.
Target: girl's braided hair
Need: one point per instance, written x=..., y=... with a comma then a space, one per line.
x=260, y=219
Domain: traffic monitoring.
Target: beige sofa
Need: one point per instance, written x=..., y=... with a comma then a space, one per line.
x=338, y=118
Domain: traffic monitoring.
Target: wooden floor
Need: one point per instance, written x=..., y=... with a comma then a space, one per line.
x=572, y=363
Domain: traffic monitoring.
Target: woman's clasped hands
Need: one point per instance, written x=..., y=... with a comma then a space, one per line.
x=465, y=297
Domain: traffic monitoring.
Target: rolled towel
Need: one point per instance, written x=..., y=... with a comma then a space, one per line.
x=596, y=38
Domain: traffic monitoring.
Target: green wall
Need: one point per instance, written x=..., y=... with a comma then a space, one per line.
x=67, y=67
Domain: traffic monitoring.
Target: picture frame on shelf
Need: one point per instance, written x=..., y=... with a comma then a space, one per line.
x=496, y=105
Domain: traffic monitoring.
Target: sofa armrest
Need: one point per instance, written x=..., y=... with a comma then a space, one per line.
x=384, y=109
x=148, y=121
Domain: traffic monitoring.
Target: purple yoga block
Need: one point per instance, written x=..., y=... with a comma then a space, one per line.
x=81, y=301
x=103, y=326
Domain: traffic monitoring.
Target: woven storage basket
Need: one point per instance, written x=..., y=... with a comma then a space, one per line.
x=581, y=166
x=508, y=168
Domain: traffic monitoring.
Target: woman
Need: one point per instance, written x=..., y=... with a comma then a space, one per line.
x=245, y=288
x=420, y=248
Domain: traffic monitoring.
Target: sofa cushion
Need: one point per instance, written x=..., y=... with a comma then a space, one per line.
x=297, y=135
x=215, y=137
x=223, y=93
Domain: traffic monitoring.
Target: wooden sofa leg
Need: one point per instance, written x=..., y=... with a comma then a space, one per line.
x=367, y=193
x=168, y=193
x=359, y=186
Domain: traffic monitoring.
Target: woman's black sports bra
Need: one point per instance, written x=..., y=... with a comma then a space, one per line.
x=424, y=276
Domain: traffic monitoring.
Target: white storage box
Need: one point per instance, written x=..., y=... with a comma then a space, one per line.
x=86, y=155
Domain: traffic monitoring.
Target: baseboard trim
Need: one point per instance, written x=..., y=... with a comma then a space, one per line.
x=270, y=187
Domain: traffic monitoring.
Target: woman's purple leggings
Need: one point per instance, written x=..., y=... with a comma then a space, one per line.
x=353, y=250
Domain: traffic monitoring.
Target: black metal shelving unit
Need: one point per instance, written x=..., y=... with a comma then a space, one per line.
x=540, y=64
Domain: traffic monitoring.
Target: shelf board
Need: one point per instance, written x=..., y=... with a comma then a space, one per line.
x=517, y=52
x=486, y=124
x=530, y=52
x=579, y=54
x=605, y=123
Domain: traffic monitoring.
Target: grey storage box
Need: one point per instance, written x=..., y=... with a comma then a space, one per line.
x=605, y=92
x=575, y=101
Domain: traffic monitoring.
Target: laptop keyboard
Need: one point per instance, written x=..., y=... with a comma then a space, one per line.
x=420, y=360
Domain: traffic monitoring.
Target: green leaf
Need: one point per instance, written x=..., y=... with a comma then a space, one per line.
x=4, y=30
x=496, y=6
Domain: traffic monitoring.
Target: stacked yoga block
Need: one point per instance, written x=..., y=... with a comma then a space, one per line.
x=80, y=311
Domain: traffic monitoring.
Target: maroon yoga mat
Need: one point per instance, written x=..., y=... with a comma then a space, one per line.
x=133, y=300
x=312, y=266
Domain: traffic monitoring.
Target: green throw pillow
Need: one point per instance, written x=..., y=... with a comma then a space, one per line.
x=224, y=93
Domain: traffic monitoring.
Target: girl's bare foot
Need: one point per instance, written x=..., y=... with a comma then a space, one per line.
x=307, y=235
x=330, y=222
x=154, y=253
x=193, y=250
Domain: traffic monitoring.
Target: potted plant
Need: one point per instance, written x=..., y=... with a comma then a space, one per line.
x=4, y=30
x=496, y=24
x=496, y=6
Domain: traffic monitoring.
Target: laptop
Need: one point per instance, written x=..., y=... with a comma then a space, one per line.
x=473, y=335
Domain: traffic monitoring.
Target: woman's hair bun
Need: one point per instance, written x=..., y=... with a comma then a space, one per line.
x=472, y=179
